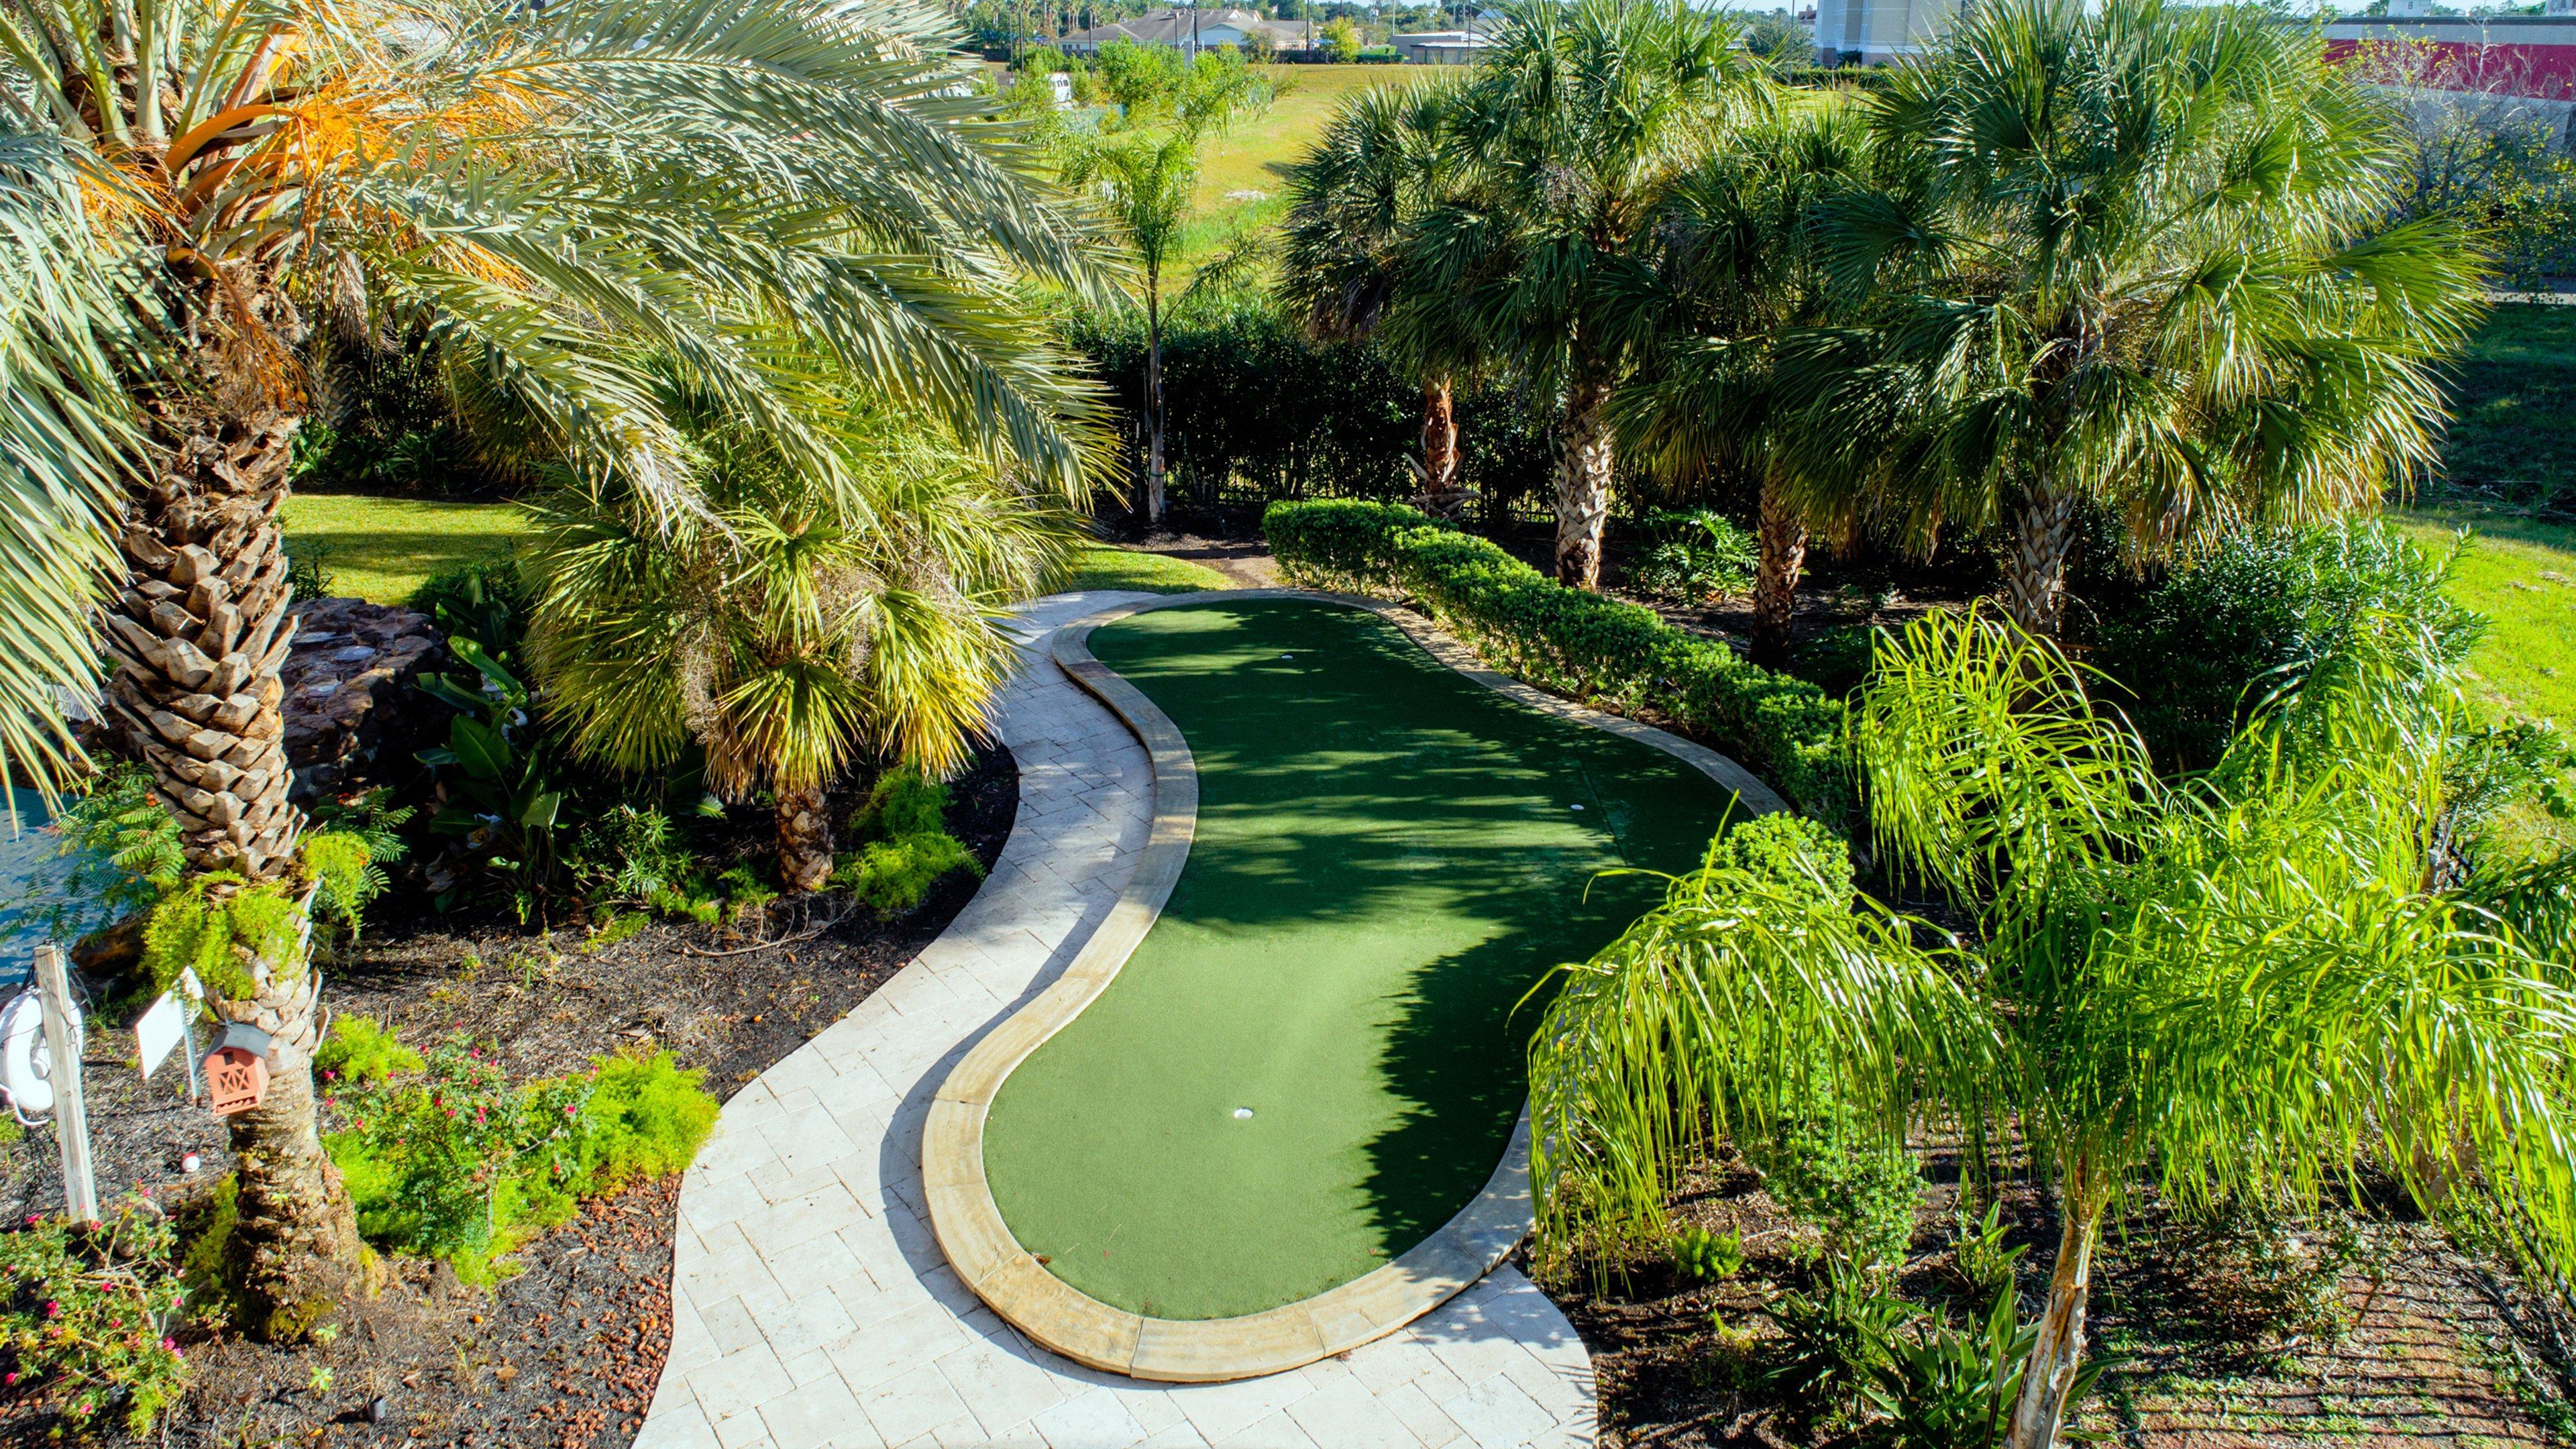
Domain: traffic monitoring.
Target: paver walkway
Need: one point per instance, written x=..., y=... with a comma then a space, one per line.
x=811, y=1306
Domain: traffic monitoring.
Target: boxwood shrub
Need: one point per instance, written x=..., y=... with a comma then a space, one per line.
x=1615, y=655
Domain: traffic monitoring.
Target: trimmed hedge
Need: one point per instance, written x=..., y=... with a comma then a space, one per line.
x=1588, y=646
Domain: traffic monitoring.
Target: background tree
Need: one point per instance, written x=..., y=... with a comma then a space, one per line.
x=1354, y=199
x=1341, y=40
x=1568, y=141
x=2246, y=985
x=2138, y=256
x=554, y=192
x=1145, y=170
x=1739, y=269
x=793, y=626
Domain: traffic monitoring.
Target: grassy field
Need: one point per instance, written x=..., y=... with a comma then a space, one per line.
x=2513, y=441
x=2521, y=574
x=381, y=549
x=1250, y=158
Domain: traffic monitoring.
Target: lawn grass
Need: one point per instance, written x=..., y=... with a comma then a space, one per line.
x=1387, y=857
x=381, y=549
x=2521, y=574
x=1253, y=155
x=1107, y=566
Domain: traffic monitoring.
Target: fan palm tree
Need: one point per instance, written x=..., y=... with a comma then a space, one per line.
x=1741, y=272
x=2240, y=985
x=2136, y=255
x=794, y=625
x=1353, y=199
x=553, y=189
x=1566, y=144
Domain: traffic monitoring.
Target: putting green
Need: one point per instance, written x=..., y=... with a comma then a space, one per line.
x=1387, y=856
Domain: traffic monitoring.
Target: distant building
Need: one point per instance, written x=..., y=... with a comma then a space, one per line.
x=1190, y=30
x=2518, y=55
x=1877, y=32
x=1442, y=47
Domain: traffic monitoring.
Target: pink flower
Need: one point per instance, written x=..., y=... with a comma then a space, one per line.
x=169, y=1346
x=568, y=1109
x=8, y=1378
x=53, y=1309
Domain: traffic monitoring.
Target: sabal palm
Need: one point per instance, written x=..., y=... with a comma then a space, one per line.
x=553, y=190
x=2239, y=985
x=1381, y=163
x=2136, y=255
x=1740, y=269
x=1566, y=144
x=795, y=626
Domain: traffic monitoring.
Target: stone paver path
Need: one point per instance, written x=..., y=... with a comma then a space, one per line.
x=811, y=1306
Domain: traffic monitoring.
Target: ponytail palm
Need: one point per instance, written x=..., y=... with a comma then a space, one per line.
x=2239, y=985
x=2137, y=255
x=193, y=186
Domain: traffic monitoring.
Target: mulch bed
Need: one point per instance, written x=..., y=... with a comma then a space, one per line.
x=567, y=1352
x=2429, y=1353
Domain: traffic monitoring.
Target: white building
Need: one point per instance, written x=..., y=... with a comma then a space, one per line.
x=1877, y=32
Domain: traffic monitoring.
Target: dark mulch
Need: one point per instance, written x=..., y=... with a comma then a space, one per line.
x=2429, y=1352
x=568, y=1351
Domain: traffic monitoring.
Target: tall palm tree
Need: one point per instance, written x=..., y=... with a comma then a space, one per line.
x=553, y=189
x=2242, y=984
x=1566, y=143
x=2137, y=255
x=794, y=626
x=1145, y=170
x=1741, y=270
x=1381, y=163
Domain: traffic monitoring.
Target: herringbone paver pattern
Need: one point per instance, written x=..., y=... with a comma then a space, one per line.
x=812, y=1307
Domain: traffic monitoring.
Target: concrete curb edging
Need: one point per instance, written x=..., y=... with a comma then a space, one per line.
x=967, y=1222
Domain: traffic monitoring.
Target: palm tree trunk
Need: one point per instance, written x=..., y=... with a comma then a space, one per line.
x=804, y=838
x=1583, y=485
x=295, y=1247
x=1775, y=583
x=2049, y=1375
x=1439, y=449
x=198, y=635
x=1153, y=397
x=2035, y=570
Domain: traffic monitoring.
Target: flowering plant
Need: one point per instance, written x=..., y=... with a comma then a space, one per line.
x=86, y=1311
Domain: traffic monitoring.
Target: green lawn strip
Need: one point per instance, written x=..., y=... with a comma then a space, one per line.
x=380, y=549
x=1107, y=566
x=2521, y=574
x=1250, y=156
x=1386, y=859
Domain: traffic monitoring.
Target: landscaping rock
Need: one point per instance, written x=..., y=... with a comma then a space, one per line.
x=347, y=719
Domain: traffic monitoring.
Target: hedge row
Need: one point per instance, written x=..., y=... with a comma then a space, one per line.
x=1596, y=649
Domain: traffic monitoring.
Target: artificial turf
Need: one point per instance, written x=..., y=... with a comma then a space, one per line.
x=1388, y=856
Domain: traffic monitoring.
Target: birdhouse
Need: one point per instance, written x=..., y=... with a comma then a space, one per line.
x=237, y=1069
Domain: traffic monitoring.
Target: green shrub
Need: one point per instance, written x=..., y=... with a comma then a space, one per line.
x=892, y=876
x=86, y=1311
x=1695, y=556
x=629, y=854
x=345, y=876
x=1616, y=655
x=645, y=1117
x=1978, y=1255
x=485, y=601
x=1787, y=850
x=1705, y=1257
x=2197, y=651
x=901, y=802
x=1833, y=1343
x=359, y=1052
x=1828, y=1165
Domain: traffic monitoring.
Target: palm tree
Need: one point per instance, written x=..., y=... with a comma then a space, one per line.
x=793, y=626
x=2137, y=255
x=1566, y=144
x=1353, y=200
x=1145, y=169
x=2244, y=984
x=552, y=189
x=1741, y=272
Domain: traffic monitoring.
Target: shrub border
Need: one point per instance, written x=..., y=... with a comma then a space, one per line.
x=1615, y=656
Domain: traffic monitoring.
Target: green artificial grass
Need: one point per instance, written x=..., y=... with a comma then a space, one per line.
x=1107, y=566
x=1387, y=859
x=381, y=549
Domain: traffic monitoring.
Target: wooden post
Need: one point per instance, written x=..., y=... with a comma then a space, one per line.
x=71, y=1120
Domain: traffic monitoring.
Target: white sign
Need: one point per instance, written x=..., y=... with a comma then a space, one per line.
x=158, y=1030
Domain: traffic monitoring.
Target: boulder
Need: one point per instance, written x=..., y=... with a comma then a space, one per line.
x=349, y=725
